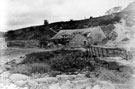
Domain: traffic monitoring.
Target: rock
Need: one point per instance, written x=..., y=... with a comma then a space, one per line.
x=88, y=87
x=48, y=80
x=20, y=59
x=96, y=87
x=54, y=86
x=1, y=86
x=66, y=86
x=21, y=83
x=124, y=86
x=1, y=70
x=18, y=77
x=65, y=77
x=5, y=81
x=80, y=76
x=79, y=84
x=12, y=86
x=24, y=88
x=107, y=85
x=32, y=82
x=5, y=74
x=39, y=86
x=7, y=67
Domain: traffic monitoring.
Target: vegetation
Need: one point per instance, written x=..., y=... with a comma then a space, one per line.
x=60, y=60
x=66, y=61
x=114, y=76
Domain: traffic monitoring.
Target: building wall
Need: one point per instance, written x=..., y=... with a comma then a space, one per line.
x=77, y=41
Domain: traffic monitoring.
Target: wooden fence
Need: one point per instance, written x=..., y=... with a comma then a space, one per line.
x=100, y=51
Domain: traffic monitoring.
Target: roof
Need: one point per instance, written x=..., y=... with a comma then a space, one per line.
x=69, y=33
x=60, y=34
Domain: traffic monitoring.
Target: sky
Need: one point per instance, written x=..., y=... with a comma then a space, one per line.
x=17, y=14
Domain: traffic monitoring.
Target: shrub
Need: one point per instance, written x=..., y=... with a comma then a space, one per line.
x=40, y=68
x=114, y=76
x=22, y=69
x=46, y=57
x=40, y=57
x=54, y=73
x=68, y=63
x=32, y=68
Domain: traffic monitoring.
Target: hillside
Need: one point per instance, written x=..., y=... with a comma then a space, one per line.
x=46, y=31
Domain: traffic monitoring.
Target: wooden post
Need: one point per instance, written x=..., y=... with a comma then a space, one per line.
x=95, y=51
x=102, y=51
x=92, y=51
x=113, y=52
x=98, y=52
x=89, y=51
x=107, y=52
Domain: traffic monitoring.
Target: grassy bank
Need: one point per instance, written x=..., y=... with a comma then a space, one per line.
x=72, y=62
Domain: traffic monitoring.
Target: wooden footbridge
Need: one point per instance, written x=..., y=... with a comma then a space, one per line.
x=102, y=51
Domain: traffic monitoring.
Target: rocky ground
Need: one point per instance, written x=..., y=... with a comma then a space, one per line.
x=79, y=81
x=10, y=80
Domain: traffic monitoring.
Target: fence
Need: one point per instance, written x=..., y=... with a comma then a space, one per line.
x=100, y=51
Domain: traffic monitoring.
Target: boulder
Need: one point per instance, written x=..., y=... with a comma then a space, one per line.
x=54, y=86
x=66, y=86
x=48, y=80
x=96, y=87
x=65, y=77
x=124, y=86
x=80, y=84
x=2, y=70
x=39, y=86
x=88, y=87
x=107, y=85
x=21, y=83
x=24, y=88
x=12, y=86
x=81, y=76
x=5, y=74
x=32, y=82
x=18, y=77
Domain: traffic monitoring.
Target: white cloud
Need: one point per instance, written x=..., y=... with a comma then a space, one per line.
x=23, y=13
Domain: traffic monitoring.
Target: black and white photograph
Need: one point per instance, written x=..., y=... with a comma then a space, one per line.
x=67, y=44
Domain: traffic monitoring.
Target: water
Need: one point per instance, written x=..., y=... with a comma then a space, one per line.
x=8, y=54
x=3, y=47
